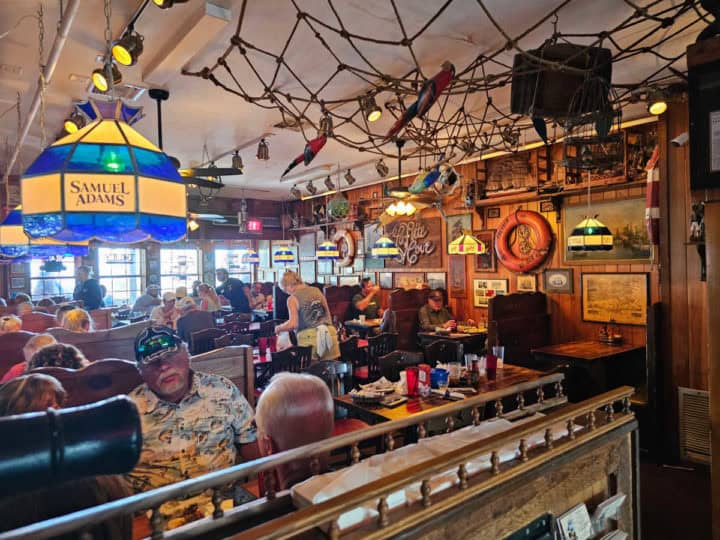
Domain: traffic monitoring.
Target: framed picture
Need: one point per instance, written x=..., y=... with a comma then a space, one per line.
x=17, y=269
x=307, y=246
x=456, y=276
x=547, y=206
x=456, y=225
x=558, y=280
x=348, y=280
x=626, y=220
x=485, y=289
x=385, y=280
x=408, y=280
x=493, y=212
x=325, y=268
x=436, y=280
x=307, y=271
x=263, y=253
x=486, y=262
x=615, y=298
x=371, y=234
x=526, y=283
x=17, y=283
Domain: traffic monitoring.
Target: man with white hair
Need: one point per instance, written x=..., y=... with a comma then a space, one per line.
x=146, y=302
x=294, y=409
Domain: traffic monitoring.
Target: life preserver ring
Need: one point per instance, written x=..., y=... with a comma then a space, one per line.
x=529, y=253
x=347, y=252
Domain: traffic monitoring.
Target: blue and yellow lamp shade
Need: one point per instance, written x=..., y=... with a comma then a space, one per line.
x=466, y=244
x=590, y=235
x=327, y=251
x=384, y=248
x=283, y=255
x=251, y=257
x=15, y=244
x=105, y=181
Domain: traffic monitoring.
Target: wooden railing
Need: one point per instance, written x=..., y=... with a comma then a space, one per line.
x=615, y=411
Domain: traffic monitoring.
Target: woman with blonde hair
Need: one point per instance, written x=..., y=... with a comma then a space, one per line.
x=9, y=324
x=78, y=320
x=209, y=300
x=309, y=317
x=30, y=393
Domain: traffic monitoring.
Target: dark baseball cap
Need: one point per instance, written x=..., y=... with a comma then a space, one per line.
x=435, y=296
x=155, y=342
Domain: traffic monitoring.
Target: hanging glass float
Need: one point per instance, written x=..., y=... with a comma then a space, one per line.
x=105, y=181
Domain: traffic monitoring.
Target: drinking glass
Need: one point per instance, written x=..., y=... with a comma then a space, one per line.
x=491, y=360
x=443, y=380
x=262, y=346
x=499, y=352
x=411, y=373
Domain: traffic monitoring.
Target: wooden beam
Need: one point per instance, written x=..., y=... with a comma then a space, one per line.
x=712, y=239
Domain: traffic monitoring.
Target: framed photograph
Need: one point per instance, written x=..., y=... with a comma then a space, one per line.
x=385, y=280
x=493, y=212
x=307, y=271
x=486, y=262
x=485, y=289
x=436, y=280
x=526, y=283
x=17, y=269
x=456, y=225
x=371, y=234
x=456, y=276
x=325, y=268
x=626, y=220
x=307, y=246
x=348, y=280
x=263, y=254
x=615, y=298
x=17, y=283
x=547, y=206
x=408, y=280
x=558, y=280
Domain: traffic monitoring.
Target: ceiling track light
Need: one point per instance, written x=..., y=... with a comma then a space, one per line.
x=237, y=162
x=382, y=169
x=312, y=190
x=75, y=122
x=101, y=80
x=656, y=102
x=128, y=48
x=370, y=109
x=329, y=183
x=263, y=152
x=167, y=4
x=349, y=178
x=295, y=192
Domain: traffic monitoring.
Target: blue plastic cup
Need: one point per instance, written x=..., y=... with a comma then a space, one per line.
x=439, y=378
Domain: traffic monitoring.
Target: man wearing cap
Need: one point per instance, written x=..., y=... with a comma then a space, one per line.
x=166, y=314
x=146, y=302
x=192, y=423
x=434, y=314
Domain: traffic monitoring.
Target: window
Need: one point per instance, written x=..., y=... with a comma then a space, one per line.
x=232, y=260
x=121, y=270
x=178, y=268
x=48, y=284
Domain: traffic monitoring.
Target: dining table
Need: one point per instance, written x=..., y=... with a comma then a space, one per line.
x=473, y=341
x=363, y=328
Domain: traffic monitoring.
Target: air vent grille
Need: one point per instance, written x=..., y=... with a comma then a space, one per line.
x=694, y=408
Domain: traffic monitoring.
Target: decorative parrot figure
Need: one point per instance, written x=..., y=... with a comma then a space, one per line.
x=311, y=150
x=424, y=180
x=429, y=93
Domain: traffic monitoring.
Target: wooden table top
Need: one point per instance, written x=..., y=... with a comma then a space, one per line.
x=586, y=350
x=369, y=323
x=454, y=335
x=506, y=381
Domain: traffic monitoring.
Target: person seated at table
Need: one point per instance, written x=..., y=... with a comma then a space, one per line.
x=257, y=298
x=365, y=302
x=309, y=315
x=33, y=345
x=60, y=313
x=46, y=303
x=191, y=319
x=24, y=309
x=58, y=355
x=31, y=393
x=167, y=314
x=294, y=409
x=146, y=302
x=10, y=324
x=232, y=289
x=20, y=298
x=180, y=293
x=78, y=320
x=434, y=314
x=192, y=423
x=209, y=300
x=194, y=293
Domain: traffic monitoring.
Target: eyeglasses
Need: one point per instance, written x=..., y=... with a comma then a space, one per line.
x=151, y=346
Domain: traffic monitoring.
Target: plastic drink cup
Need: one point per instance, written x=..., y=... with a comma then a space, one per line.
x=262, y=345
x=362, y=318
x=443, y=379
x=411, y=374
x=491, y=365
x=499, y=352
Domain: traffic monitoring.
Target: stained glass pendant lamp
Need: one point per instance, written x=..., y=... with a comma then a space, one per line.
x=283, y=255
x=384, y=248
x=251, y=257
x=327, y=251
x=14, y=243
x=107, y=182
x=590, y=234
x=466, y=244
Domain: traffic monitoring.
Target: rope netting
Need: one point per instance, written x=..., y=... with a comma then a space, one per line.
x=466, y=118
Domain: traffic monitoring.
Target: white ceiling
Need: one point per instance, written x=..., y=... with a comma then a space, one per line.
x=200, y=114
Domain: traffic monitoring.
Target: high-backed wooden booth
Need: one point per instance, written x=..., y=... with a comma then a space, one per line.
x=405, y=304
x=519, y=322
x=339, y=301
x=114, y=343
x=11, y=346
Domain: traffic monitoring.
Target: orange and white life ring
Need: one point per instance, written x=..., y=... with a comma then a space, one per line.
x=531, y=244
x=346, y=247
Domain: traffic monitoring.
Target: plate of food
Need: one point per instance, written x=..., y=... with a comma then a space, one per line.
x=381, y=386
x=366, y=396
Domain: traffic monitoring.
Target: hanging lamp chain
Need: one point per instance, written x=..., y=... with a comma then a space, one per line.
x=108, y=49
x=41, y=69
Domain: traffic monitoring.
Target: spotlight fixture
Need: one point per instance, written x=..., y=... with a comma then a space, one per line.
x=295, y=192
x=656, y=102
x=128, y=48
x=510, y=136
x=193, y=225
x=382, y=169
x=76, y=121
x=349, y=178
x=312, y=190
x=329, y=183
x=263, y=152
x=167, y=4
x=100, y=77
x=237, y=162
x=370, y=108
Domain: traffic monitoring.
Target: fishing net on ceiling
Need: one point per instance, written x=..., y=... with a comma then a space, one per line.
x=330, y=61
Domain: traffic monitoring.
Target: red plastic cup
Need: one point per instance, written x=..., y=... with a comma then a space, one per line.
x=262, y=345
x=272, y=343
x=411, y=374
x=491, y=365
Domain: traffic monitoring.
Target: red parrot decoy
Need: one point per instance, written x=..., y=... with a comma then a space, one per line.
x=311, y=150
x=431, y=90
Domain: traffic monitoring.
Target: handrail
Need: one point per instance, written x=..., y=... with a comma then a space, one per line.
x=154, y=498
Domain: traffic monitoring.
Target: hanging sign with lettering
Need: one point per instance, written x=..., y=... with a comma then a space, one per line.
x=101, y=193
x=419, y=241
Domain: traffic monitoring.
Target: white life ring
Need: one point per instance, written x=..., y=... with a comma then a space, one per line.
x=347, y=252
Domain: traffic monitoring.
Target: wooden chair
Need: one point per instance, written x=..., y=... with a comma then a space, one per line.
x=97, y=381
x=444, y=350
x=294, y=359
x=234, y=363
x=393, y=363
x=335, y=374
x=114, y=343
x=204, y=340
x=11, y=346
x=378, y=346
x=352, y=354
x=38, y=321
x=405, y=305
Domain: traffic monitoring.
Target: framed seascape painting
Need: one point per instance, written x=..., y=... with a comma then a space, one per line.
x=526, y=283
x=348, y=280
x=385, y=280
x=626, y=220
x=409, y=280
x=615, y=298
x=456, y=276
x=486, y=262
x=456, y=225
x=436, y=280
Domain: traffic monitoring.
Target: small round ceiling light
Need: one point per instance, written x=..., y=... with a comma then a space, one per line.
x=75, y=122
x=370, y=109
x=128, y=49
x=100, y=78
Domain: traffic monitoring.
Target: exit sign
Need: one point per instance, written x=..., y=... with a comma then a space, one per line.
x=254, y=225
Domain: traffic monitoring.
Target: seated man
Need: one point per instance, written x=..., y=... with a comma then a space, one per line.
x=257, y=297
x=434, y=314
x=149, y=300
x=365, y=302
x=294, y=409
x=167, y=314
x=191, y=422
x=191, y=319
